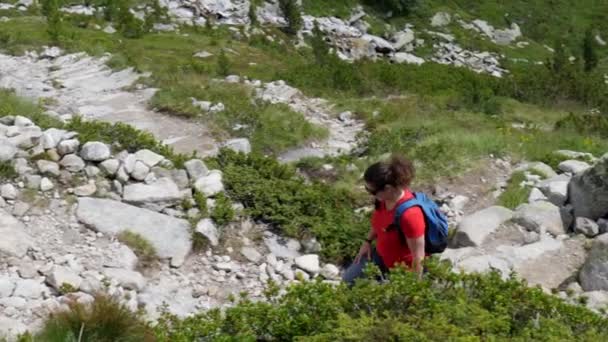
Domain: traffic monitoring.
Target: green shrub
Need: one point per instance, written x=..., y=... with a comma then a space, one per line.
x=223, y=64
x=66, y=288
x=222, y=213
x=395, y=6
x=274, y=193
x=201, y=203
x=291, y=12
x=444, y=306
x=128, y=25
x=7, y=171
x=104, y=321
x=585, y=123
x=146, y=253
x=514, y=194
x=54, y=18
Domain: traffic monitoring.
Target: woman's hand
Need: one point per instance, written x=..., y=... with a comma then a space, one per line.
x=365, y=250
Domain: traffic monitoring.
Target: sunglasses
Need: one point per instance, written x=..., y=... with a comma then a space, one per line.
x=374, y=191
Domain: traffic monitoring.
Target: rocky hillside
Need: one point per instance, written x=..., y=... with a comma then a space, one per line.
x=166, y=156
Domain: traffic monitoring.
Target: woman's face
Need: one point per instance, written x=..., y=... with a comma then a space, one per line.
x=382, y=193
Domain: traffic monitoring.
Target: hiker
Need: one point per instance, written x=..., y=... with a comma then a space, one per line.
x=399, y=221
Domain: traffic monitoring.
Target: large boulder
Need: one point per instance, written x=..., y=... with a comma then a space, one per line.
x=588, y=191
x=15, y=242
x=7, y=150
x=210, y=184
x=61, y=276
x=128, y=279
x=573, y=166
x=196, y=169
x=594, y=273
x=163, y=190
x=473, y=229
x=541, y=217
x=556, y=189
x=95, y=151
x=209, y=231
x=169, y=236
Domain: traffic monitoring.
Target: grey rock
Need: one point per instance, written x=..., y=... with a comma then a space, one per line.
x=474, y=229
x=573, y=166
x=538, y=167
x=30, y=289
x=588, y=191
x=91, y=171
x=48, y=168
x=542, y=217
x=602, y=226
x=168, y=235
x=51, y=138
x=7, y=150
x=60, y=275
x=128, y=279
x=239, y=145
x=536, y=195
x=593, y=275
x=163, y=191
x=311, y=246
x=72, y=163
x=12, y=328
x=330, y=271
x=574, y=154
x=46, y=185
x=211, y=184
x=129, y=163
x=251, y=254
x=148, y=157
x=122, y=175
x=458, y=202
x=140, y=171
x=7, y=286
x=27, y=270
x=441, y=19
x=33, y=181
x=21, y=121
x=180, y=177
x=8, y=191
x=207, y=228
x=196, y=169
x=589, y=228
x=68, y=147
x=110, y=166
x=556, y=191
x=288, y=249
x=20, y=209
x=86, y=190
x=309, y=263
x=95, y=151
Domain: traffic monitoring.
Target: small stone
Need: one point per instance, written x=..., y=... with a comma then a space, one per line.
x=86, y=190
x=110, y=166
x=95, y=151
x=91, y=171
x=251, y=254
x=196, y=169
x=588, y=227
x=208, y=229
x=8, y=191
x=140, y=171
x=72, y=163
x=68, y=147
x=149, y=158
x=53, y=155
x=211, y=184
x=20, y=209
x=48, y=168
x=46, y=185
x=330, y=271
x=61, y=275
x=33, y=181
x=309, y=263
x=122, y=175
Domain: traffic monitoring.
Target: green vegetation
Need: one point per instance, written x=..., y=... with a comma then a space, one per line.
x=222, y=213
x=7, y=171
x=104, y=321
x=146, y=254
x=442, y=307
x=54, y=18
x=291, y=12
x=201, y=203
x=274, y=193
x=515, y=194
x=66, y=288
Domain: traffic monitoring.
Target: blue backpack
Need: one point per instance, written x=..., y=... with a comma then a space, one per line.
x=436, y=232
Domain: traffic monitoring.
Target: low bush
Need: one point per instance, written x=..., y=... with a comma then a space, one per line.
x=7, y=171
x=222, y=213
x=444, y=306
x=146, y=253
x=514, y=194
x=105, y=320
x=274, y=193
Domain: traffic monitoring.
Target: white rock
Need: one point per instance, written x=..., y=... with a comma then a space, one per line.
x=6, y=286
x=46, y=185
x=12, y=328
x=15, y=241
x=536, y=195
x=148, y=157
x=441, y=19
x=30, y=289
x=61, y=275
x=330, y=271
x=196, y=169
x=405, y=57
x=239, y=145
x=86, y=190
x=458, y=202
x=556, y=189
x=207, y=228
x=110, y=166
x=163, y=190
x=542, y=217
x=21, y=121
x=7, y=150
x=140, y=171
x=473, y=229
x=251, y=254
x=170, y=237
x=573, y=166
x=211, y=184
x=309, y=263
x=589, y=228
x=128, y=279
x=95, y=151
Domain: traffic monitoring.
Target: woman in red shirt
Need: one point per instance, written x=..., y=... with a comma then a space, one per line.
x=388, y=182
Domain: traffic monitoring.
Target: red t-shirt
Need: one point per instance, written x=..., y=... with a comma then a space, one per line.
x=388, y=244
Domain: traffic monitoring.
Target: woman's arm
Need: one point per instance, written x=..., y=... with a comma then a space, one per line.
x=416, y=246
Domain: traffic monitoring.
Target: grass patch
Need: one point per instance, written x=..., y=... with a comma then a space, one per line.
x=7, y=171
x=105, y=321
x=146, y=253
x=515, y=194
x=222, y=213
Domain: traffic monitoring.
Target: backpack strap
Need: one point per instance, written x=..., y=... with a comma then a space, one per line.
x=399, y=212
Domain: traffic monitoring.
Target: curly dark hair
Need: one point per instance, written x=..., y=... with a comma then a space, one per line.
x=398, y=171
